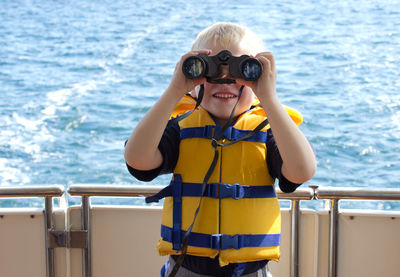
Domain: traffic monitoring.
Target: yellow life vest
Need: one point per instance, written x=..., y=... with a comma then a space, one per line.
x=239, y=217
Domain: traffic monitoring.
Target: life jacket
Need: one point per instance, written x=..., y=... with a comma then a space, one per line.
x=239, y=216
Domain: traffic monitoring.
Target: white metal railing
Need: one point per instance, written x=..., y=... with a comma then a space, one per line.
x=85, y=191
x=47, y=192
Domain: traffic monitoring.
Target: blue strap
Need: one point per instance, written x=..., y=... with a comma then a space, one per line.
x=177, y=212
x=236, y=191
x=167, y=191
x=230, y=133
x=216, y=190
x=164, y=269
x=222, y=242
x=198, y=132
x=239, y=269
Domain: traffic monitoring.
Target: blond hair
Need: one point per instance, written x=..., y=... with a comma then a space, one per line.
x=226, y=34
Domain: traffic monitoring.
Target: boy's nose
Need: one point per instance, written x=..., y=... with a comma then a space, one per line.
x=225, y=71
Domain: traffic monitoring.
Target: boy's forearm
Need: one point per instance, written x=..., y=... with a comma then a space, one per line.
x=299, y=162
x=141, y=150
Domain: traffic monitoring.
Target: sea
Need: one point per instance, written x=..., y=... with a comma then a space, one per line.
x=77, y=76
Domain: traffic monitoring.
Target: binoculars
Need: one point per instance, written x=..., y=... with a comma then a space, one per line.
x=202, y=65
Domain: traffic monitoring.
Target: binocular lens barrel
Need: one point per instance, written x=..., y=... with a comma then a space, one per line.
x=251, y=69
x=194, y=67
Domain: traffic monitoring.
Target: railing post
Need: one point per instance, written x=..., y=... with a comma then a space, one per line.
x=294, y=238
x=333, y=236
x=87, y=257
x=49, y=225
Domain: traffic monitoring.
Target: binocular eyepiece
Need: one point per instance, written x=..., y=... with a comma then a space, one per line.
x=202, y=65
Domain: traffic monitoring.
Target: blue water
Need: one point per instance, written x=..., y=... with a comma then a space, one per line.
x=77, y=76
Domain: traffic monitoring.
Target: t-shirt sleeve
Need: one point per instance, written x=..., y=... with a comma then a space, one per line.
x=169, y=148
x=274, y=162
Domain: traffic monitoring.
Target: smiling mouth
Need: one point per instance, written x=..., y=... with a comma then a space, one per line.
x=224, y=95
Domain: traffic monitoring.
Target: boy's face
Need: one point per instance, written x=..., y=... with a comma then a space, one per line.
x=219, y=99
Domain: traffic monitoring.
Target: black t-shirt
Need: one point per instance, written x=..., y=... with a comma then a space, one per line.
x=169, y=148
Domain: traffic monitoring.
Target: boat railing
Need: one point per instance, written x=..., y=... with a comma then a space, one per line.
x=47, y=192
x=85, y=191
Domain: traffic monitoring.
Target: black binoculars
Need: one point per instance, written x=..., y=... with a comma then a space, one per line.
x=202, y=65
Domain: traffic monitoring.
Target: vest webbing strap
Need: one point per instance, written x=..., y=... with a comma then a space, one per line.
x=222, y=241
x=198, y=102
x=213, y=190
x=177, y=213
x=230, y=133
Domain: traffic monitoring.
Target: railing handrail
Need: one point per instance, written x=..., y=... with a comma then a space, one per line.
x=357, y=193
x=313, y=192
x=113, y=190
x=32, y=191
x=146, y=190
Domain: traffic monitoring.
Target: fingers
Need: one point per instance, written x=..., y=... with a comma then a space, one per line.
x=267, y=59
x=199, y=81
x=243, y=82
x=204, y=51
x=196, y=52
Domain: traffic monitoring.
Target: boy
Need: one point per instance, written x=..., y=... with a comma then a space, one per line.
x=229, y=235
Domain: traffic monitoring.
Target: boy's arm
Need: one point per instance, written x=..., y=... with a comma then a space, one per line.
x=274, y=163
x=169, y=148
x=299, y=163
x=141, y=150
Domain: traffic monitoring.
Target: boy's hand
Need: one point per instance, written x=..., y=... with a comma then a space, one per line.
x=265, y=86
x=180, y=84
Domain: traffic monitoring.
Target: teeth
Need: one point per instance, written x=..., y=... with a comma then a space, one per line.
x=224, y=95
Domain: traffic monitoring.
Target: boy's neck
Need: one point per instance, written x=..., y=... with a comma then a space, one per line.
x=220, y=121
x=223, y=121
